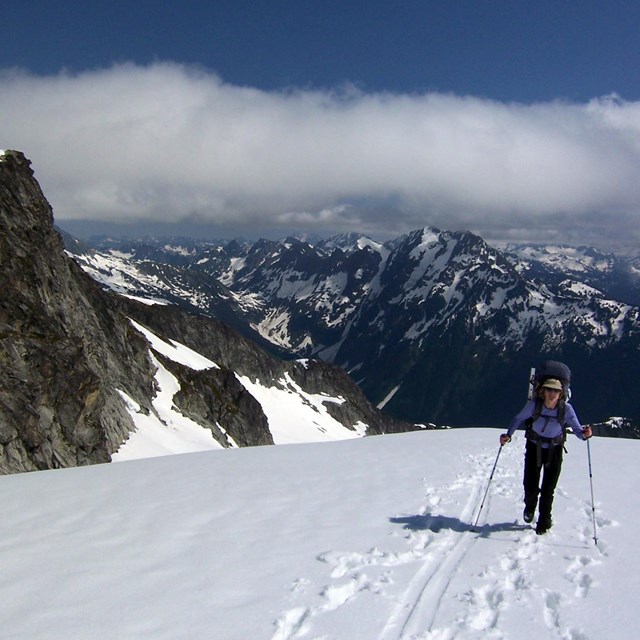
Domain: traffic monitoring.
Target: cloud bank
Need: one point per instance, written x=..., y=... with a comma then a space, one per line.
x=172, y=143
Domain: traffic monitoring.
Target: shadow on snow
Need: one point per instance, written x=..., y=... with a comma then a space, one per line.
x=436, y=523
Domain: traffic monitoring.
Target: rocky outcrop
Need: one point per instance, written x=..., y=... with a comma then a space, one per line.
x=62, y=346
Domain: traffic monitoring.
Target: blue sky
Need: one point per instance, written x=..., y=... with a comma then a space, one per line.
x=517, y=120
x=509, y=51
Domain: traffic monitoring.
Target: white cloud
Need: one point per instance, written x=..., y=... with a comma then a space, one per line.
x=167, y=142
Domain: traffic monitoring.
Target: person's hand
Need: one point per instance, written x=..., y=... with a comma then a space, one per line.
x=587, y=432
x=504, y=438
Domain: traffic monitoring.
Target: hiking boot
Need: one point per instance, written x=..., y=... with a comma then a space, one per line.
x=527, y=515
x=543, y=525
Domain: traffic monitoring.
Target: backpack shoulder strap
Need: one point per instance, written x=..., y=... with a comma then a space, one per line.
x=537, y=410
x=562, y=406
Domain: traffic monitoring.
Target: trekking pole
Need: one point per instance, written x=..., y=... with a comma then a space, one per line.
x=593, y=504
x=495, y=464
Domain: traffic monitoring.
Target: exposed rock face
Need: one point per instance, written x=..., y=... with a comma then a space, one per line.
x=61, y=343
x=68, y=350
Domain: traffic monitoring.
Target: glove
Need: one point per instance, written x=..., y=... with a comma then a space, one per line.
x=504, y=438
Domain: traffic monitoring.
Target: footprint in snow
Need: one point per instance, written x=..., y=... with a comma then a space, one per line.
x=578, y=575
x=551, y=612
x=295, y=623
x=291, y=623
x=300, y=585
x=486, y=603
x=338, y=594
x=342, y=563
x=513, y=575
x=586, y=528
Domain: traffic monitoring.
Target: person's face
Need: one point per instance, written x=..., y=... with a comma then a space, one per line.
x=551, y=397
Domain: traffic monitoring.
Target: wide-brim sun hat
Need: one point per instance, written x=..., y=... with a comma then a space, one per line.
x=552, y=383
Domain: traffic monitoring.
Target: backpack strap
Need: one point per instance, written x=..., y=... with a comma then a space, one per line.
x=537, y=410
x=562, y=406
x=530, y=434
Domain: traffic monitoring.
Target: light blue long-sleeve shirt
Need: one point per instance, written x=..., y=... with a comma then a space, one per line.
x=547, y=424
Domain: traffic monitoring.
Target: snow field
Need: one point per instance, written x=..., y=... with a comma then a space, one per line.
x=361, y=539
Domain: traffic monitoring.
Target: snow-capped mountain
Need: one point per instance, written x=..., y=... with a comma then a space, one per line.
x=571, y=269
x=89, y=375
x=432, y=323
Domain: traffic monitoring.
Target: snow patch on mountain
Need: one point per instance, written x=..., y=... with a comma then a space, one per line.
x=562, y=257
x=116, y=271
x=388, y=397
x=275, y=327
x=578, y=289
x=166, y=431
x=175, y=350
x=296, y=416
x=179, y=250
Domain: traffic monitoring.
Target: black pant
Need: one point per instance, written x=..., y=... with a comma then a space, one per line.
x=551, y=462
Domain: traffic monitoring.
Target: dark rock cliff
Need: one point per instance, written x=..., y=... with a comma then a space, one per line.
x=62, y=346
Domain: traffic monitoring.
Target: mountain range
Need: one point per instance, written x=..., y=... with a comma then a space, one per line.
x=433, y=325
x=430, y=328
x=84, y=370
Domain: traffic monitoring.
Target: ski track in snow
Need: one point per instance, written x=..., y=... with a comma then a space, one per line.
x=438, y=545
x=420, y=603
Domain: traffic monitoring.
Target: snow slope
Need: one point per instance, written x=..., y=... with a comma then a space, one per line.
x=360, y=539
